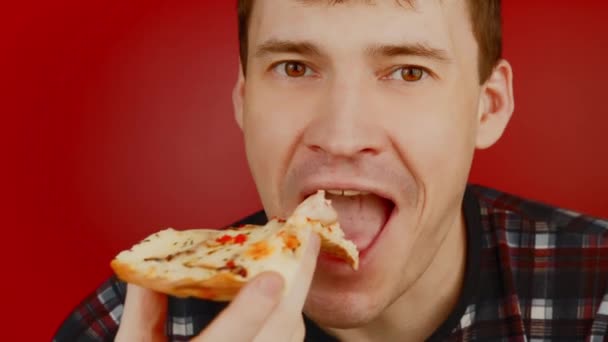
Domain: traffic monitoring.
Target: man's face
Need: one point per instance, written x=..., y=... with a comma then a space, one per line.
x=378, y=99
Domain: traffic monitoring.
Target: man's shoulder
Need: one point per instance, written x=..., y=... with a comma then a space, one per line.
x=544, y=266
x=97, y=317
x=518, y=215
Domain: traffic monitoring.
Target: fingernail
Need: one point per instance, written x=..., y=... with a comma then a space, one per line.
x=270, y=284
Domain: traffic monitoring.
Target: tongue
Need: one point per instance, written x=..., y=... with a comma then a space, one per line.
x=361, y=217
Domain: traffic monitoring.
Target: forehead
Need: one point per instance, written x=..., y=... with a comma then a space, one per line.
x=409, y=3
x=345, y=23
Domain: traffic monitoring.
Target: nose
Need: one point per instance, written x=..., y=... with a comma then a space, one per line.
x=344, y=125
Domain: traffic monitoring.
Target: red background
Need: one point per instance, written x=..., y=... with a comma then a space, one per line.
x=116, y=122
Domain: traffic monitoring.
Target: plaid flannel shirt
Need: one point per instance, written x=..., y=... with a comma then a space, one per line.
x=534, y=273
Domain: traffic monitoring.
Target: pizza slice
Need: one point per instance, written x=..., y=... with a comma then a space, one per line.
x=215, y=264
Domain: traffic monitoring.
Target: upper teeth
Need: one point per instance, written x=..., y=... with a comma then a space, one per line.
x=347, y=192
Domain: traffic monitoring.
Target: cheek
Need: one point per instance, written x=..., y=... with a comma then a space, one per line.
x=275, y=115
x=439, y=146
x=435, y=138
x=436, y=143
x=272, y=125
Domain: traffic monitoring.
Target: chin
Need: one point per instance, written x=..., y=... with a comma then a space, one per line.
x=344, y=309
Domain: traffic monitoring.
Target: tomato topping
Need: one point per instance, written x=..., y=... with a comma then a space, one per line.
x=240, y=239
x=224, y=239
x=291, y=241
x=259, y=250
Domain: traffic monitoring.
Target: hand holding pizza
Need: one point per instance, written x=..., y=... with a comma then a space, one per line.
x=260, y=311
x=265, y=271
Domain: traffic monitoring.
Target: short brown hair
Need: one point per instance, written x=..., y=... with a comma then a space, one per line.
x=485, y=17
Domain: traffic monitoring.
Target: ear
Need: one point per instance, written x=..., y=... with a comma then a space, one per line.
x=238, y=94
x=496, y=105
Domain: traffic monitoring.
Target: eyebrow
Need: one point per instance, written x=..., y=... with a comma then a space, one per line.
x=287, y=46
x=307, y=48
x=416, y=50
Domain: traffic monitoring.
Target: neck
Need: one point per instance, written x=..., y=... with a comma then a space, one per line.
x=419, y=311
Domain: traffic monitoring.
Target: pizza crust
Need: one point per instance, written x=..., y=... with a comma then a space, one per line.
x=222, y=286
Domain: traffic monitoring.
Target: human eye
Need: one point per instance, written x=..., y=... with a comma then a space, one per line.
x=408, y=73
x=292, y=69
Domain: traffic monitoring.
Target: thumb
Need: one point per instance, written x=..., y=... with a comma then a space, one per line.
x=144, y=316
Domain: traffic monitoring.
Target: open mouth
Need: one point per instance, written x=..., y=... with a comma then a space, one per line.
x=362, y=214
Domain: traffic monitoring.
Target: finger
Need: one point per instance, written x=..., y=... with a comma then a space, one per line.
x=294, y=301
x=246, y=315
x=144, y=316
x=286, y=322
